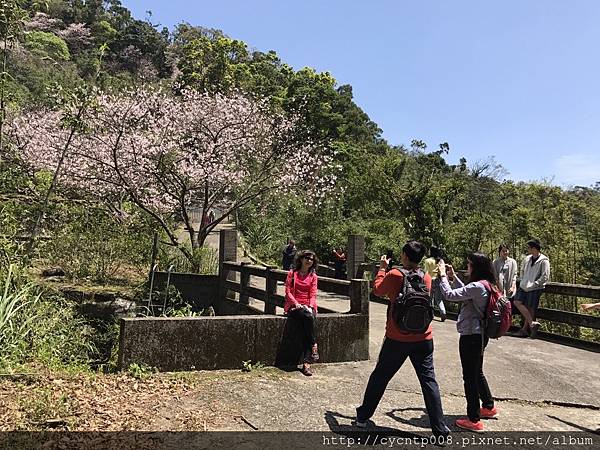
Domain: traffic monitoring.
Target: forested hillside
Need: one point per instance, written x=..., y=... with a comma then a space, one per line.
x=56, y=50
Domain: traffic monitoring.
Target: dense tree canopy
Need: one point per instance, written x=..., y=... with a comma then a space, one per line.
x=389, y=193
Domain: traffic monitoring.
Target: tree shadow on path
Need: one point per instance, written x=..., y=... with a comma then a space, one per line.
x=574, y=425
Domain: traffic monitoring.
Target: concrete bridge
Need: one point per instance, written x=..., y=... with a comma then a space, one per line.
x=538, y=385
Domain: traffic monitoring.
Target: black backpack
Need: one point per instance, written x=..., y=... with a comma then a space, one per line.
x=413, y=308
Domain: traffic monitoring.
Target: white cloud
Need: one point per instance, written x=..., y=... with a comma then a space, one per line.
x=577, y=169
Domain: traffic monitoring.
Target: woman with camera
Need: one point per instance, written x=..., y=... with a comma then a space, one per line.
x=474, y=299
x=301, y=304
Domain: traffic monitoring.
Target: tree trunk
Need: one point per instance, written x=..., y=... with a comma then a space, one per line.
x=42, y=213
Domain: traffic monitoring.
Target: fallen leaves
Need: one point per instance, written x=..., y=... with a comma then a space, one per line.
x=112, y=402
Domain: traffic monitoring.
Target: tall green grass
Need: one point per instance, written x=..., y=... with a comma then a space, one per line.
x=15, y=324
x=40, y=328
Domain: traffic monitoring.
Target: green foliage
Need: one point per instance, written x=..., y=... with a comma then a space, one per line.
x=12, y=16
x=214, y=65
x=47, y=46
x=89, y=241
x=44, y=405
x=186, y=310
x=141, y=371
x=205, y=260
x=176, y=306
x=104, y=32
x=248, y=366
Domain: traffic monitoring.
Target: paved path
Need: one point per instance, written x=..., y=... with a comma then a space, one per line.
x=538, y=385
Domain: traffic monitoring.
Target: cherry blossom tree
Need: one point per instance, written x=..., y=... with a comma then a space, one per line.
x=169, y=154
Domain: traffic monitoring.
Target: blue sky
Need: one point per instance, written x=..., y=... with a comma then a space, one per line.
x=514, y=79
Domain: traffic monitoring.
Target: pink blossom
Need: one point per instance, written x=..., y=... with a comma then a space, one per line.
x=169, y=153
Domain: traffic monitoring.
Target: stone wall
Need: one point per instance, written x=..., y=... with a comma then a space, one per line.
x=221, y=342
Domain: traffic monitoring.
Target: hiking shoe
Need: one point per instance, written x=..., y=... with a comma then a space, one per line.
x=488, y=413
x=315, y=353
x=357, y=423
x=306, y=371
x=466, y=424
x=535, y=327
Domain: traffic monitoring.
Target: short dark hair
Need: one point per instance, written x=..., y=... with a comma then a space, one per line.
x=300, y=255
x=414, y=251
x=435, y=251
x=534, y=243
x=481, y=268
x=503, y=246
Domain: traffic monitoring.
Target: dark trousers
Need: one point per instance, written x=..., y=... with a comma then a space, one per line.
x=471, y=348
x=340, y=270
x=307, y=324
x=391, y=357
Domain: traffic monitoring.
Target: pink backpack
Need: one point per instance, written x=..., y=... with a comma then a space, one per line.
x=498, y=314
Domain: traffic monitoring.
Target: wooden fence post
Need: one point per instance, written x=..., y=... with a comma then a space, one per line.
x=227, y=252
x=271, y=290
x=355, y=255
x=244, y=282
x=359, y=296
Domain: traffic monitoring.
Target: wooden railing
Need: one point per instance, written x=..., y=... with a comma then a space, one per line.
x=548, y=314
x=568, y=317
x=356, y=290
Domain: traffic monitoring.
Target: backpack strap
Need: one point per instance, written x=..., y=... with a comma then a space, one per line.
x=406, y=274
x=486, y=285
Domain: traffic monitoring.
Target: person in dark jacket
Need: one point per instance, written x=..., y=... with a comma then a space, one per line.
x=339, y=263
x=288, y=255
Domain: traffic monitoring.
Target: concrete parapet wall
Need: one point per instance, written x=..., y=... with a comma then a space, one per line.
x=228, y=307
x=198, y=290
x=205, y=343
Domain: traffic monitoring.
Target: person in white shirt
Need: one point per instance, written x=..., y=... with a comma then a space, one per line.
x=505, y=269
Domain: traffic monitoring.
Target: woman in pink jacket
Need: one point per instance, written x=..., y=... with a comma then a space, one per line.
x=301, y=303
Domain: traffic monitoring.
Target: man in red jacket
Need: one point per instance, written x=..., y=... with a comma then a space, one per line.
x=399, y=345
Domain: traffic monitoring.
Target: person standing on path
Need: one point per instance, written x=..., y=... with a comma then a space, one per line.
x=474, y=299
x=288, y=255
x=535, y=273
x=505, y=269
x=339, y=263
x=399, y=345
x=301, y=304
x=430, y=266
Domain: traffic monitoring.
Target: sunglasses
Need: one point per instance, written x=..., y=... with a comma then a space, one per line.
x=309, y=258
